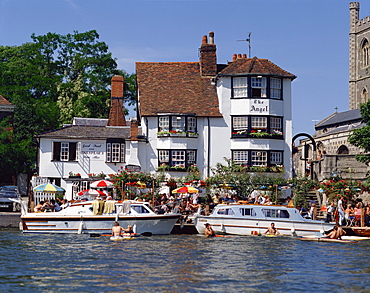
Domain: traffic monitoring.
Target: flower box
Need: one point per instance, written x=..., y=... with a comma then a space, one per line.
x=74, y=176
x=191, y=134
x=181, y=134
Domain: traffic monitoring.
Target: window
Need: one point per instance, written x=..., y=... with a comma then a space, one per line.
x=257, y=127
x=192, y=124
x=64, y=151
x=227, y=211
x=259, y=158
x=240, y=123
x=259, y=123
x=270, y=213
x=364, y=96
x=365, y=53
x=177, y=159
x=276, y=158
x=164, y=123
x=177, y=124
x=275, y=88
x=115, y=151
x=140, y=209
x=240, y=87
x=247, y=212
x=240, y=157
x=276, y=125
x=257, y=87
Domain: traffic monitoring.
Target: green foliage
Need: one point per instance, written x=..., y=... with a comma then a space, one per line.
x=237, y=177
x=350, y=189
x=361, y=137
x=55, y=78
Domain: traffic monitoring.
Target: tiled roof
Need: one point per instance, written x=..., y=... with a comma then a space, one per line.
x=88, y=132
x=340, y=118
x=4, y=102
x=339, y=129
x=175, y=87
x=243, y=66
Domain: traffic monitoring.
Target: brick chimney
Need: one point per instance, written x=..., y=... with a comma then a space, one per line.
x=116, y=114
x=134, y=129
x=208, y=58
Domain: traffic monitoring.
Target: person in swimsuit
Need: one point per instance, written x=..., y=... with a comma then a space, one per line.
x=209, y=231
x=116, y=230
x=272, y=230
x=128, y=230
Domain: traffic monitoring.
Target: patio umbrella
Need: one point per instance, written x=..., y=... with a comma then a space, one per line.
x=102, y=184
x=48, y=188
x=91, y=192
x=140, y=184
x=185, y=189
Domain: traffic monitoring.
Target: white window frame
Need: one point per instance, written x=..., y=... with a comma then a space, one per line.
x=240, y=157
x=64, y=151
x=240, y=87
x=258, y=158
x=191, y=160
x=240, y=123
x=178, y=158
x=276, y=158
x=258, y=122
x=178, y=123
x=163, y=156
x=275, y=88
x=192, y=124
x=164, y=123
x=259, y=83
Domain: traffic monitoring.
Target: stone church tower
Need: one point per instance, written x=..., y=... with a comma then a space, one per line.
x=359, y=57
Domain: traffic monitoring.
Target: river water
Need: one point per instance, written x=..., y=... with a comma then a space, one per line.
x=180, y=263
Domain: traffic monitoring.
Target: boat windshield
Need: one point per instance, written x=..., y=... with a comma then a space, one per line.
x=140, y=209
x=247, y=212
x=274, y=213
x=226, y=211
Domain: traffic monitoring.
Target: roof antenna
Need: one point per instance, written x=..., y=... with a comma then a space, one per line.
x=249, y=43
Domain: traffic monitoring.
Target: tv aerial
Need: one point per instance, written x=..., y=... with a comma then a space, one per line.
x=249, y=43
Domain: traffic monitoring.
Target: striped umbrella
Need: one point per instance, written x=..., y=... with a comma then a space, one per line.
x=91, y=192
x=102, y=184
x=185, y=189
x=48, y=188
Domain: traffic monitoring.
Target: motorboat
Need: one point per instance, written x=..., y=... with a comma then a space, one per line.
x=83, y=218
x=252, y=219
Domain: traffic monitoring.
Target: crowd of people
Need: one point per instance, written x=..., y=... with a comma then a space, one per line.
x=51, y=206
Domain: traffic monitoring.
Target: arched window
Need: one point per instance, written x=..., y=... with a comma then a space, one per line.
x=364, y=96
x=343, y=150
x=365, y=53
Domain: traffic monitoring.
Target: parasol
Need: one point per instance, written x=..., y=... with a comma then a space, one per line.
x=185, y=189
x=102, y=184
x=48, y=188
x=91, y=192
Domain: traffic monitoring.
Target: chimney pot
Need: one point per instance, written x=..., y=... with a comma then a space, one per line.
x=211, y=37
x=239, y=56
x=234, y=57
x=244, y=56
x=204, y=39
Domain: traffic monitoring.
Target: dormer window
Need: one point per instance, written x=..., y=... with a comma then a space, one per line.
x=257, y=87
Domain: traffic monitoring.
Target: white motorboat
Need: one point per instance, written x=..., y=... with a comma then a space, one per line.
x=250, y=219
x=81, y=218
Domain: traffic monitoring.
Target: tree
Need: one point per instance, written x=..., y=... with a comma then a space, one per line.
x=55, y=78
x=361, y=137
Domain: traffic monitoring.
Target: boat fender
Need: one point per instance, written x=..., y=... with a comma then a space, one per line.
x=134, y=228
x=20, y=226
x=81, y=227
x=222, y=228
x=322, y=232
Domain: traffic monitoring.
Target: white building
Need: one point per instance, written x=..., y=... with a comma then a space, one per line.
x=200, y=112
x=191, y=113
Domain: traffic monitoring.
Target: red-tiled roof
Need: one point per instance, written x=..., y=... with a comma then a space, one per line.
x=4, y=101
x=175, y=87
x=255, y=66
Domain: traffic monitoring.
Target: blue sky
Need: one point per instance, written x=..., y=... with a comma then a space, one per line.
x=308, y=38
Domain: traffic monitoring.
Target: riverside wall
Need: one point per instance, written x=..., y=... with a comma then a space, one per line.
x=10, y=220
